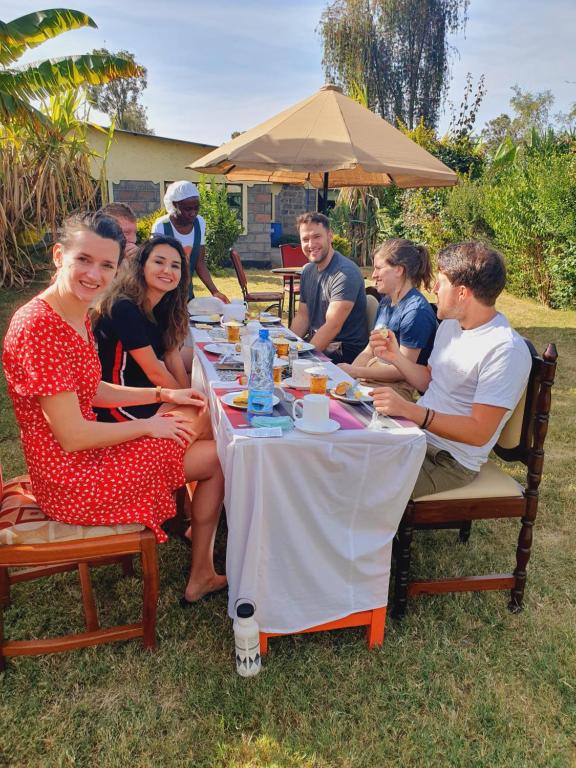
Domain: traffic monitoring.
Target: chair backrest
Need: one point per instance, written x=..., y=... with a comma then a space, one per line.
x=522, y=438
x=239, y=269
x=292, y=255
x=371, y=310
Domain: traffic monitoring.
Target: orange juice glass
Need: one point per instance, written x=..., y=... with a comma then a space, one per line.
x=277, y=368
x=282, y=346
x=318, y=381
x=233, y=332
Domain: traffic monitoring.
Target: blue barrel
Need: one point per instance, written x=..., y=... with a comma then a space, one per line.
x=275, y=233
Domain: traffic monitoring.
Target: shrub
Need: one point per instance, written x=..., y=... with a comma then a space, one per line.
x=144, y=225
x=222, y=225
x=342, y=245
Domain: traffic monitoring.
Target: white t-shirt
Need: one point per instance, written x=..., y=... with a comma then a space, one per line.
x=488, y=365
x=186, y=240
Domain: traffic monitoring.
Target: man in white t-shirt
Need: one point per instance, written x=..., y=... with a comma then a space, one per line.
x=182, y=201
x=475, y=376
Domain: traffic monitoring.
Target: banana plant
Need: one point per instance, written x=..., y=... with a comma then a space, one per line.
x=20, y=86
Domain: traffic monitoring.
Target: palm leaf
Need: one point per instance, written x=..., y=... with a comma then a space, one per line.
x=35, y=28
x=46, y=78
x=15, y=109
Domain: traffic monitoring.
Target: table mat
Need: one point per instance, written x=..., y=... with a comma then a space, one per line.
x=238, y=418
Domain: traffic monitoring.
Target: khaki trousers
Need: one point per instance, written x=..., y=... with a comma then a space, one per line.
x=440, y=472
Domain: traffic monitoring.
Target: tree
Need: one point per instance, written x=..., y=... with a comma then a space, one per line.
x=45, y=162
x=119, y=99
x=531, y=111
x=20, y=86
x=396, y=49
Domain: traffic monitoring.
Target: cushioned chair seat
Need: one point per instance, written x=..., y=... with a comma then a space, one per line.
x=23, y=522
x=491, y=482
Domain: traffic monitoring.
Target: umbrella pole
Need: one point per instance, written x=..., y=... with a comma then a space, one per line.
x=324, y=206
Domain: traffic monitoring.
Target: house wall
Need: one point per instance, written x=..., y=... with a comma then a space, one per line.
x=290, y=201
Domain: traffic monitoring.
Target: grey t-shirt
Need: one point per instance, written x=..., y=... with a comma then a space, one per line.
x=340, y=281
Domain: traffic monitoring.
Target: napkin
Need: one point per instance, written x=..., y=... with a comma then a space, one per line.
x=284, y=422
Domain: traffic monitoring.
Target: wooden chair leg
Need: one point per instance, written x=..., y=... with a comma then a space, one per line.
x=4, y=587
x=465, y=530
x=150, y=575
x=2, y=657
x=88, y=603
x=523, y=551
x=402, y=577
x=128, y=565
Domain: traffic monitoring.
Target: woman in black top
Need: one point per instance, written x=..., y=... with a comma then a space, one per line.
x=141, y=324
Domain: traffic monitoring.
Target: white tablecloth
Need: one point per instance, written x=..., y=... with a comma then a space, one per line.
x=310, y=518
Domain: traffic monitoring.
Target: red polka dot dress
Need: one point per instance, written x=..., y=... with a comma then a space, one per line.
x=132, y=482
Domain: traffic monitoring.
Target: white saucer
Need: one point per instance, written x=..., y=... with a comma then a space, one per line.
x=205, y=319
x=220, y=348
x=330, y=426
x=289, y=383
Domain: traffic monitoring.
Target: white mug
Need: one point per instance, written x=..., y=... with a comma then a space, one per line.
x=300, y=377
x=236, y=310
x=314, y=410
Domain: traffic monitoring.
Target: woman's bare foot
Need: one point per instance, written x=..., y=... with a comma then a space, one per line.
x=198, y=590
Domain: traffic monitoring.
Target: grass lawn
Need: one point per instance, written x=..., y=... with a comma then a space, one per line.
x=461, y=682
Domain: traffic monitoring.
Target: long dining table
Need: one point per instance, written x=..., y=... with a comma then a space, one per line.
x=311, y=518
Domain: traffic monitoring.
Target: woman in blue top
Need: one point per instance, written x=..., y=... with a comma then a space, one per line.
x=400, y=268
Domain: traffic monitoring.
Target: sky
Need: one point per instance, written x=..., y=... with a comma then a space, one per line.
x=223, y=66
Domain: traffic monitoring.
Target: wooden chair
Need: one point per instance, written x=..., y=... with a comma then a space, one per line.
x=32, y=546
x=271, y=298
x=372, y=305
x=493, y=494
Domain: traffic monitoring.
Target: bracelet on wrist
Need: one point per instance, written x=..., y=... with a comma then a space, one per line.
x=425, y=420
x=158, y=394
x=431, y=420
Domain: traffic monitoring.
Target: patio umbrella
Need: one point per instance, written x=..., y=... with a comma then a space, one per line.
x=327, y=137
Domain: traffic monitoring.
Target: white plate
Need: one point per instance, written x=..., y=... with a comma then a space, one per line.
x=366, y=398
x=224, y=348
x=266, y=319
x=228, y=398
x=331, y=426
x=204, y=319
x=305, y=346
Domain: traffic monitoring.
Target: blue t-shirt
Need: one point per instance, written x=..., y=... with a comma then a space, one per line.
x=341, y=280
x=412, y=320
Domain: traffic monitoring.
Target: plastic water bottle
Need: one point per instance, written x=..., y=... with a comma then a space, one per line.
x=247, y=641
x=261, y=381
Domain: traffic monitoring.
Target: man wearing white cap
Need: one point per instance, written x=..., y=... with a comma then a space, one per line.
x=182, y=222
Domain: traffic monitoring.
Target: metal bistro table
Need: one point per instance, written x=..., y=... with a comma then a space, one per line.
x=311, y=517
x=292, y=274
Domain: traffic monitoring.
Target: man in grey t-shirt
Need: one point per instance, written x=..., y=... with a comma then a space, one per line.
x=332, y=309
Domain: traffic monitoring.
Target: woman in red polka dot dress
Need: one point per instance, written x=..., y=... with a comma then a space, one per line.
x=92, y=473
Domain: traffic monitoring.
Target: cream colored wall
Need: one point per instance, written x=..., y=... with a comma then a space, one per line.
x=145, y=158
x=137, y=157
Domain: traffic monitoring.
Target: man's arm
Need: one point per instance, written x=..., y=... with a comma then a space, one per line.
x=206, y=277
x=475, y=429
x=336, y=315
x=301, y=320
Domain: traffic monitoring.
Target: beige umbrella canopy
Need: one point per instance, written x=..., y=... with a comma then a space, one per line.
x=327, y=133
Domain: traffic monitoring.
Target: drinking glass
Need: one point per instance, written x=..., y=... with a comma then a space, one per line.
x=318, y=381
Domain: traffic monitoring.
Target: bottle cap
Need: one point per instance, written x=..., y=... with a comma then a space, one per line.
x=245, y=610
x=263, y=333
